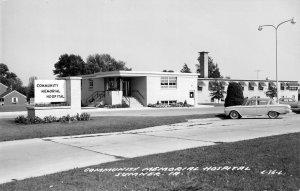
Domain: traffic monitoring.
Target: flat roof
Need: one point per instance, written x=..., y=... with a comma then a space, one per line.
x=238, y=80
x=123, y=73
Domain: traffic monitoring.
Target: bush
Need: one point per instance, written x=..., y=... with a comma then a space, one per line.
x=53, y=104
x=179, y=104
x=21, y=119
x=84, y=117
x=234, y=95
x=50, y=119
x=35, y=120
x=117, y=106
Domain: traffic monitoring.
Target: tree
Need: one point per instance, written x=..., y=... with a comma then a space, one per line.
x=168, y=71
x=69, y=65
x=103, y=63
x=213, y=69
x=185, y=69
x=216, y=91
x=234, y=95
x=3, y=70
x=272, y=92
x=10, y=79
x=30, y=89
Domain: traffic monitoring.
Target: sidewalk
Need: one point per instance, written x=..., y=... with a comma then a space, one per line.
x=93, y=110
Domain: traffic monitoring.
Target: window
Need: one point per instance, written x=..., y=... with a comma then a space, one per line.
x=172, y=82
x=262, y=102
x=171, y=102
x=164, y=82
x=281, y=86
x=200, y=88
x=251, y=86
x=251, y=102
x=261, y=86
x=168, y=82
x=168, y=102
x=91, y=84
x=14, y=100
x=164, y=102
x=293, y=88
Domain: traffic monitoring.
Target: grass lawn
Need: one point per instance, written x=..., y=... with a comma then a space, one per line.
x=9, y=130
x=257, y=157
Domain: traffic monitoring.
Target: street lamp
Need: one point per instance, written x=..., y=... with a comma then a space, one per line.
x=276, y=27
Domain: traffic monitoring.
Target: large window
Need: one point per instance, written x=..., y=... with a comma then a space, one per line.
x=168, y=82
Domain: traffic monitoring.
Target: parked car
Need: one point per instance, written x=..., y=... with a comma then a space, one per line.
x=256, y=107
x=295, y=105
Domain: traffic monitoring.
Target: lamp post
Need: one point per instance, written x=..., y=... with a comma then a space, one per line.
x=276, y=27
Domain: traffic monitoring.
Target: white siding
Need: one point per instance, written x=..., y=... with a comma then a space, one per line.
x=180, y=94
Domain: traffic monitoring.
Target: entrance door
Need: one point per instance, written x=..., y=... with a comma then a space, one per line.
x=126, y=87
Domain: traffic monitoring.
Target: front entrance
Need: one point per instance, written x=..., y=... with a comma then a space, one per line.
x=126, y=87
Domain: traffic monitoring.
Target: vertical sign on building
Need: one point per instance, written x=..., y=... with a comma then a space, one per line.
x=46, y=91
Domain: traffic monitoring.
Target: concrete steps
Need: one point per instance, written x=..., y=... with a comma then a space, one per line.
x=134, y=103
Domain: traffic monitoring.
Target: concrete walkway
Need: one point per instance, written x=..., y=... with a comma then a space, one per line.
x=35, y=157
x=134, y=111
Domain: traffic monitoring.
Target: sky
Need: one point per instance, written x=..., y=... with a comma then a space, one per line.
x=152, y=35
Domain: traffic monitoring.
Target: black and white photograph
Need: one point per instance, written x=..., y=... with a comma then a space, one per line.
x=156, y=95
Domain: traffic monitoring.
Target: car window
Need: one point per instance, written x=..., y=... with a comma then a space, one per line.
x=272, y=102
x=262, y=102
x=251, y=102
x=291, y=100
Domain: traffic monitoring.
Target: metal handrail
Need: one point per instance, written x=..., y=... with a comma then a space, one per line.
x=127, y=99
x=95, y=96
x=137, y=91
x=139, y=96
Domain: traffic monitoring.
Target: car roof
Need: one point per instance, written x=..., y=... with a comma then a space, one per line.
x=264, y=99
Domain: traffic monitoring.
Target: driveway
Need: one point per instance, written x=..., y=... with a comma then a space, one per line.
x=36, y=157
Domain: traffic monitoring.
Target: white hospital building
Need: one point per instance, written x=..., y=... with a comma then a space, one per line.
x=138, y=88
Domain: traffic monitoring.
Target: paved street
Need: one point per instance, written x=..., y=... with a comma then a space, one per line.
x=36, y=157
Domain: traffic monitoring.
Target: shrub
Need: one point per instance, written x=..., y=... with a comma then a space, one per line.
x=35, y=120
x=179, y=104
x=53, y=104
x=21, y=119
x=50, y=119
x=234, y=95
x=85, y=117
x=118, y=106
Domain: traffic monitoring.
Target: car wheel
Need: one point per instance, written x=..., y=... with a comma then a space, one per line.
x=273, y=114
x=234, y=115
